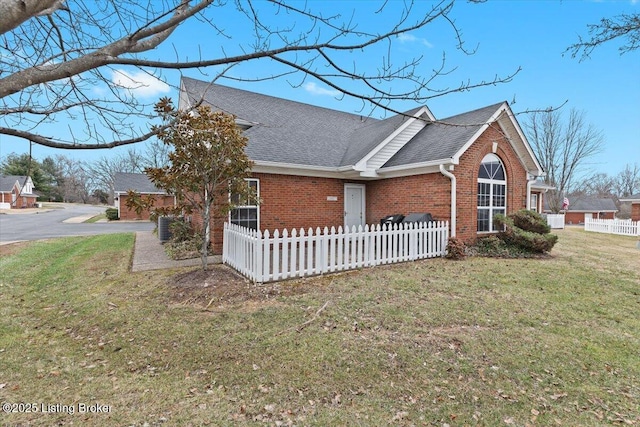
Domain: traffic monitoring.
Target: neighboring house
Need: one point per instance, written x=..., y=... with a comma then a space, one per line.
x=16, y=192
x=584, y=207
x=316, y=167
x=140, y=183
x=635, y=206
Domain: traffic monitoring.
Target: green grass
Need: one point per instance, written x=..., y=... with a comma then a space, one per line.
x=96, y=218
x=476, y=342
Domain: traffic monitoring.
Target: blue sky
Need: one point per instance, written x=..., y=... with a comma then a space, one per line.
x=506, y=36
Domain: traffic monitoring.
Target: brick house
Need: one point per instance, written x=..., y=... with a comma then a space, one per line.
x=16, y=192
x=589, y=207
x=635, y=205
x=317, y=167
x=140, y=183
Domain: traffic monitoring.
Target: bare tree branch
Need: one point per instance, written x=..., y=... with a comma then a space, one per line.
x=58, y=59
x=624, y=26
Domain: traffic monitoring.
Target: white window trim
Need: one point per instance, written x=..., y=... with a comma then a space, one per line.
x=491, y=182
x=257, y=206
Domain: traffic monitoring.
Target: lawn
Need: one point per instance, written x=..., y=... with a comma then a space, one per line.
x=552, y=341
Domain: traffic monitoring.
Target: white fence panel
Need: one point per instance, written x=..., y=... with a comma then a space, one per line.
x=613, y=226
x=555, y=220
x=265, y=257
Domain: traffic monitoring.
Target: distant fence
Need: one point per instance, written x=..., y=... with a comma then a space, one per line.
x=263, y=257
x=613, y=226
x=555, y=220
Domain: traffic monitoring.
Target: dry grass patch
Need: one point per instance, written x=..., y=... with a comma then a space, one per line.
x=478, y=342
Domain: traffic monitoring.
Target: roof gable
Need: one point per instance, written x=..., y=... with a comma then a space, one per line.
x=444, y=140
x=7, y=182
x=402, y=132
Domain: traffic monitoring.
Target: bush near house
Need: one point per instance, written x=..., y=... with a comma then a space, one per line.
x=186, y=240
x=112, y=214
x=456, y=249
x=527, y=231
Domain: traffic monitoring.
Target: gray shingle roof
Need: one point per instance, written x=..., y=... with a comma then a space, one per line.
x=7, y=182
x=292, y=132
x=284, y=131
x=592, y=204
x=633, y=197
x=123, y=182
x=442, y=140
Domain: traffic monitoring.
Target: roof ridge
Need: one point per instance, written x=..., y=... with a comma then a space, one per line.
x=252, y=93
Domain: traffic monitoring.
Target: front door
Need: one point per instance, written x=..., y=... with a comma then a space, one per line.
x=354, y=205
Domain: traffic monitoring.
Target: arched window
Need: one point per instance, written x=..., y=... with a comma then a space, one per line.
x=492, y=192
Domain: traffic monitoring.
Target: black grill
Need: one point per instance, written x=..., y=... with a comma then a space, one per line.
x=391, y=219
x=417, y=217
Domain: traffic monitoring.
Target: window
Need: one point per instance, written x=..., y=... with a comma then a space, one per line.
x=492, y=192
x=246, y=212
x=534, y=202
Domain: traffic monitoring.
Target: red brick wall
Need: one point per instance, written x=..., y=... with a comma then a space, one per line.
x=467, y=180
x=635, y=212
x=290, y=201
x=578, y=217
x=412, y=194
x=298, y=201
x=129, y=214
x=25, y=202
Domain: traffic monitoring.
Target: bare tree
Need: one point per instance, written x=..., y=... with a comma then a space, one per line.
x=156, y=154
x=599, y=184
x=76, y=59
x=627, y=182
x=624, y=26
x=563, y=149
x=77, y=184
x=103, y=170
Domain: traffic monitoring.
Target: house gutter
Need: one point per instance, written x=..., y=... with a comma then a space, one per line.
x=529, y=184
x=452, y=177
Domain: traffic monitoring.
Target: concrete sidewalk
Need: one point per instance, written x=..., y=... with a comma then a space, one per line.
x=149, y=254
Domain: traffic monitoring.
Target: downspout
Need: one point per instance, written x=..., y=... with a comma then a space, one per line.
x=529, y=184
x=452, y=177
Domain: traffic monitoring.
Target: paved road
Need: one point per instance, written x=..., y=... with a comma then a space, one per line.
x=49, y=223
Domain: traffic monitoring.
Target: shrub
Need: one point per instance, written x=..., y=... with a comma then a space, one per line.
x=186, y=241
x=456, y=249
x=112, y=214
x=530, y=221
x=526, y=240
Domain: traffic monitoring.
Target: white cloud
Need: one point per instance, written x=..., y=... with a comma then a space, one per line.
x=410, y=38
x=139, y=83
x=314, y=89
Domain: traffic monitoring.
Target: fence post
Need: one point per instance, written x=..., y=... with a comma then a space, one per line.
x=285, y=253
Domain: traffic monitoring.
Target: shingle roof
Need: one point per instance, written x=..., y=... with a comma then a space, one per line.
x=592, y=204
x=631, y=198
x=123, y=182
x=443, y=139
x=292, y=132
x=283, y=131
x=7, y=182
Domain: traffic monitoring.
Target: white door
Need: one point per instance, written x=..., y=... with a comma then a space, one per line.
x=354, y=205
x=588, y=215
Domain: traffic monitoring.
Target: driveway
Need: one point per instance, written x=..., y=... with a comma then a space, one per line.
x=48, y=223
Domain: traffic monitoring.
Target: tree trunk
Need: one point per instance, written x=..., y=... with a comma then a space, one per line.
x=206, y=218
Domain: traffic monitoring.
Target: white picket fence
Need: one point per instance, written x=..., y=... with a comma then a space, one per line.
x=263, y=257
x=613, y=226
x=555, y=221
